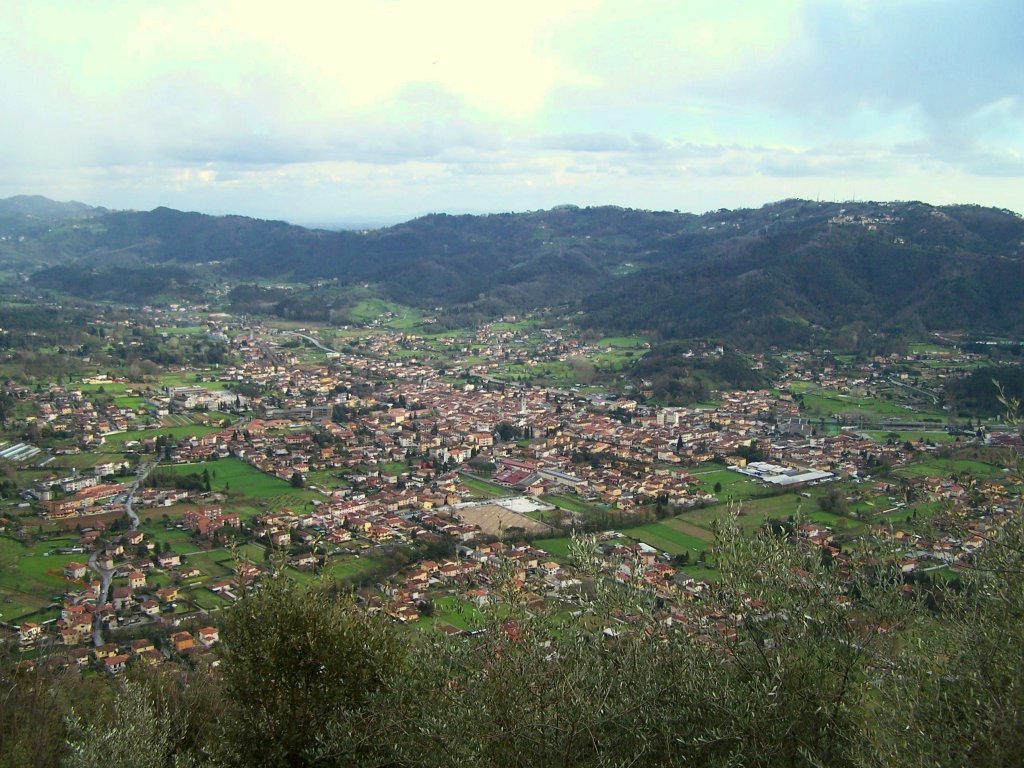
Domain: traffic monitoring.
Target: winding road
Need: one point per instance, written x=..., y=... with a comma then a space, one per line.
x=107, y=574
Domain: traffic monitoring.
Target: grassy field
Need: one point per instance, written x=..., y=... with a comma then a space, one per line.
x=115, y=443
x=327, y=480
x=557, y=547
x=348, y=567
x=189, y=380
x=236, y=477
x=183, y=330
x=215, y=564
x=753, y=512
x=178, y=538
x=207, y=600
x=734, y=485
x=668, y=538
x=75, y=461
x=936, y=436
x=823, y=403
x=482, y=487
x=109, y=388
x=126, y=401
x=454, y=611
x=945, y=467
x=30, y=577
x=393, y=468
x=618, y=352
x=573, y=504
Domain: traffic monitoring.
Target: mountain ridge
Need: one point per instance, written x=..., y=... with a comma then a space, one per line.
x=794, y=271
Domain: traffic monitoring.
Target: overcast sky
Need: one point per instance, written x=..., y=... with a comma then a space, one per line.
x=353, y=109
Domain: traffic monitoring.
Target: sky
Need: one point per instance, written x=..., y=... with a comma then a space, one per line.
x=381, y=110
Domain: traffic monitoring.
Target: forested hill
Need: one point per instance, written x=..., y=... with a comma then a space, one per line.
x=786, y=273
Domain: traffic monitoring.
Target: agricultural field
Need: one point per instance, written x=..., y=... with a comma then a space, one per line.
x=186, y=330
x=913, y=437
x=237, y=478
x=31, y=578
x=937, y=467
x=823, y=403
x=618, y=353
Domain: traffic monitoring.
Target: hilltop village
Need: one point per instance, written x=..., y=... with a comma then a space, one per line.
x=426, y=471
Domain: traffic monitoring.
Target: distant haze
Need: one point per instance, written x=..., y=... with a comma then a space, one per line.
x=363, y=114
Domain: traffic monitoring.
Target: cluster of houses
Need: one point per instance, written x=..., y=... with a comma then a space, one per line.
x=368, y=414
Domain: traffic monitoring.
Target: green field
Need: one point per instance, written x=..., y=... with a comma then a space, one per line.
x=237, y=477
x=557, y=547
x=734, y=485
x=935, y=436
x=752, y=512
x=573, y=504
x=115, y=443
x=823, y=403
x=206, y=599
x=75, y=461
x=209, y=379
x=944, y=467
x=178, y=538
x=126, y=401
x=108, y=388
x=215, y=564
x=393, y=468
x=184, y=330
x=667, y=538
x=623, y=342
x=454, y=611
x=348, y=567
x=482, y=487
x=30, y=578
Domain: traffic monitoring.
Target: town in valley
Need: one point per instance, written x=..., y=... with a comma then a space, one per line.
x=422, y=470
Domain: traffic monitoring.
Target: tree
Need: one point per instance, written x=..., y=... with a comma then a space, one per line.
x=834, y=502
x=967, y=706
x=137, y=737
x=300, y=666
x=297, y=481
x=718, y=487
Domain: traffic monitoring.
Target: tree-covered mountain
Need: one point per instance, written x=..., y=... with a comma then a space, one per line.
x=788, y=273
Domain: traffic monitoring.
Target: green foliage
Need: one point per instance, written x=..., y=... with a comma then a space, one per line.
x=297, y=665
x=134, y=738
x=785, y=274
x=792, y=661
x=679, y=376
x=974, y=394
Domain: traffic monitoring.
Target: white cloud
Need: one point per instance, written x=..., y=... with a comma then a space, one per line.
x=383, y=106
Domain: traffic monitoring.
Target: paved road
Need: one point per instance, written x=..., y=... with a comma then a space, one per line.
x=106, y=574
x=315, y=342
